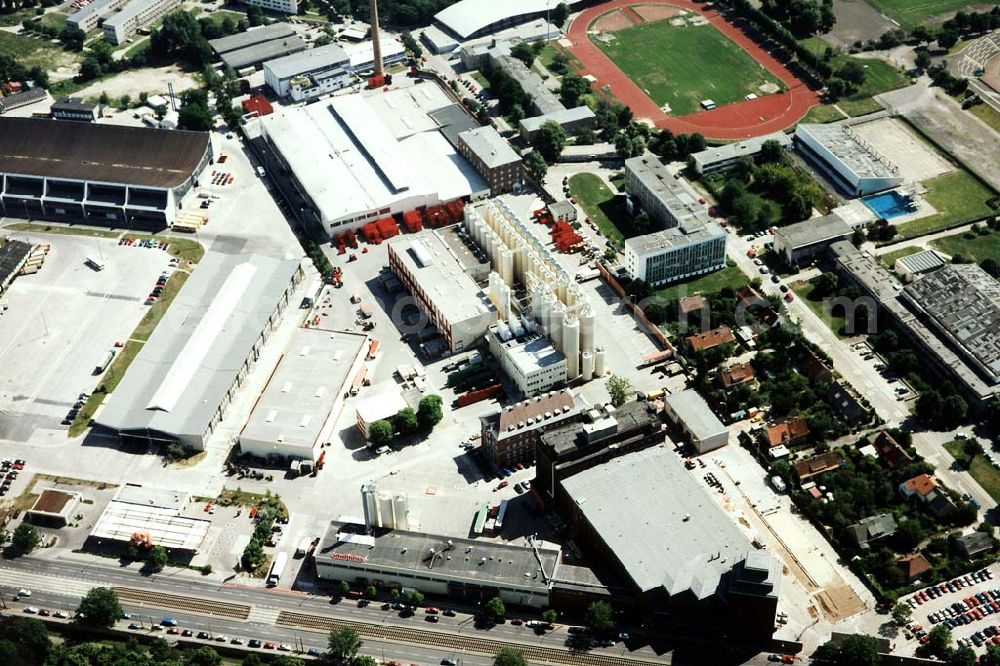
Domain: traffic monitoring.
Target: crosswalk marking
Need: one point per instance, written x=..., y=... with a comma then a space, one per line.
x=263, y=615
x=67, y=586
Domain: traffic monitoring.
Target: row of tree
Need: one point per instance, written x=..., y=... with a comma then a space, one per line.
x=407, y=422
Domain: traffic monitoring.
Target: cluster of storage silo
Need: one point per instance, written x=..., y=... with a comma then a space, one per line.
x=556, y=301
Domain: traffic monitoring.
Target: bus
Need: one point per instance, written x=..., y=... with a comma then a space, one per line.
x=277, y=567
x=96, y=264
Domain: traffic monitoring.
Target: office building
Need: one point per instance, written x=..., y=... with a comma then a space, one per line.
x=527, y=356
x=281, y=6
x=511, y=435
x=467, y=570
x=180, y=385
x=23, y=98
x=664, y=195
x=674, y=254
x=308, y=74
x=695, y=419
x=846, y=158
x=87, y=17
x=571, y=120
x=73, y=108
x=436, y=272
x=492, y=157
x=725, y=157
x=112, y=175
x=298, y=409
x=135, y=16
x=53, y=508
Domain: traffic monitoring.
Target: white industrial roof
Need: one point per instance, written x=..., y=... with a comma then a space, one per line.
x=381, y=406
x=152, y=511
x=181, y=375
x=468, y=17
x=311, y=60
x=304, y=388
x=658, y=522
x=351, y=161
x=363, y=53
x=697, y=416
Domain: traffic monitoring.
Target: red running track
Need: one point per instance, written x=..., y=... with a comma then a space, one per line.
x=740, y=120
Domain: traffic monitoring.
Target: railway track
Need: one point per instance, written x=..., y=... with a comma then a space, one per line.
x=177, y=602
x=452, y=642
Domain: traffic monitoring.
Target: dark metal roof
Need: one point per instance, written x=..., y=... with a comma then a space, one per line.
x=72, y=104
x=105, y=153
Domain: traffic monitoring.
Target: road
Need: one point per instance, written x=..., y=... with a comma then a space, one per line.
x=293, y=617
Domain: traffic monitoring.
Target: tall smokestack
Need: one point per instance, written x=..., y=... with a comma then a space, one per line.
x=376, y=41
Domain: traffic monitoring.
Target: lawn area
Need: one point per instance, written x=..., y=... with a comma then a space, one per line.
x=31, y=51
x=987, y=114
x=730, y=276
x=911, y=13
x=57, y=229
x=601, y=205
x=481, y=80
x=958, y=197
x=889, y=258
x=55, y=20
x=975, y=249
x=981, y=469
x=804, y=291
x=861, y=107
x=823, y=113
x=186, y=249
x=112, y=376
x=156, y=311
x=880, y=77
x=550, y=51
x=680, y=66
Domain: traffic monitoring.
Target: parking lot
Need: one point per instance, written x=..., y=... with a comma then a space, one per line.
x=969, y=616
x=62, y=322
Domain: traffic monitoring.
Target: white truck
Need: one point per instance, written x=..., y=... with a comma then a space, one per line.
x=305, y=545
x=277, y=568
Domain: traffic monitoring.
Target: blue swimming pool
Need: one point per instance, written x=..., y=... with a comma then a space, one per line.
x=888, y=204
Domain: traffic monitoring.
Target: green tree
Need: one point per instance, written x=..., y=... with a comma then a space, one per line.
x=858, y=650
x=124, y=102
x=599, y=618
x=909, y=534
x=381, y=432
x=344, y=644
x=343, y=587
x=394, y=595
x=509, y=657
x=523, y=52
x=194, y=117
x=202, y=656
x=962, y=656
x=26, y=538
x=923, y=59
x=364, y=660
x=620, y=389
x=560, y=14
x=72, y=37
x=415, y=598
x=27, y=640
x=939, y=640
x=100, y=607
x=972, y=448
x=901, y=613
x=550, y=139
x=411, y=44
x=406, y=421
x=573, y=87
x=103, y=98
x=429, y=411
x=158, y=558
x=536, y=166
x=549, y=615
x=495, y=609
x=371, y=592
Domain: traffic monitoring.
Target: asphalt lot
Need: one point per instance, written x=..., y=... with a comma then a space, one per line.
x=62, y=321
x=922, y=611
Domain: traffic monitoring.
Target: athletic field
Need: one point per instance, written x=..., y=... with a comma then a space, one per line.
x=681, y=65
x=910, y=13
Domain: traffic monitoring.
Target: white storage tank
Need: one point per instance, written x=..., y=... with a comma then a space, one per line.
x=587, y=328
x=586, y=366
x=571, y=345
x=599, y=361
x=400, y=512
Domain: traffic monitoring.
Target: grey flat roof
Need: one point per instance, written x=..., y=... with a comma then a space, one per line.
x=964, y=300
x=468, y=17
x=486, y=143
x=258, y=53
x=853, y=152
x=541, y=97
x=72, y=104
x=536, y=353
x=251, y=37
x=659, y=522
x=673, y=192
x=738, y=149
x=697, y=416
x=685, y=234
x=410, y=552
x=181, y=375
x=562, y=116
x=307, y=61
x=631, y=417
x=921, y=262
x=303, y=389
x=453, y=120
x=100, y=153
x=130, y=11
x=815, y=230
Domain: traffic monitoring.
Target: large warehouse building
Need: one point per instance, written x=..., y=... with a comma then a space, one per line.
x=468, y=19
x=843, y=155
x=103, y=174
x=183, y=379
x=257, y=45
x=304, y=396
x=356, y=158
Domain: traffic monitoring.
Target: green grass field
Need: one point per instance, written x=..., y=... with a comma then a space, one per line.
x=987, y=114
x=861, y=107
x=680, y=66
x=957, y=196
x=823, y=113
x=976, y=249
x=911, y=13
x=836, y=322
x=730, y=276
x=31, y=51
x=601, y=205
x=981, y=469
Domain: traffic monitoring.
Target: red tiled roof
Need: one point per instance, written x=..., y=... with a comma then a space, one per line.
x=813, y=367
x=529, y=412
x=913, y=565
x=690, y=304
x=710, y=339
x=737, y=374
x=921, y=485
x=889, y=451
x=788, y=432
x=810, y=467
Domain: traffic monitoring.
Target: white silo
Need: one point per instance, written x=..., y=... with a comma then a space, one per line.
x=555, y=324
x=369, y=506
x=571, y=345
x=385, y=510
x=599, y=361
x=400, y=511
x=586, y=366
x=506, y=266
x=499, y=295
x=587, y=329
